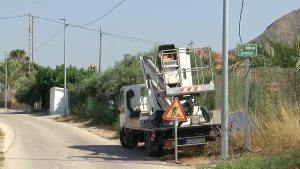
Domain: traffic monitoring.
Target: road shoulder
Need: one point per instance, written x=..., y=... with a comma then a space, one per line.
x=8, y=137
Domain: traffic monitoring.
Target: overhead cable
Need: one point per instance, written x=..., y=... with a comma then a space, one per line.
x=115, y=7
x=240, y=21
x=50, y=39
x=12, y=17
x=124, y=37
x=89, y=29
x=47, y=19
x=133, y=38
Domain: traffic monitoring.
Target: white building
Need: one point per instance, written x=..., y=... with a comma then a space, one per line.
x=57, y=103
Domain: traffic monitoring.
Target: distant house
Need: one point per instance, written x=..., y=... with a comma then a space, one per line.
x=218, y=60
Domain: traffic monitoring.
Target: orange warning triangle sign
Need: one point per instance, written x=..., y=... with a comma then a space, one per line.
x=175, y=112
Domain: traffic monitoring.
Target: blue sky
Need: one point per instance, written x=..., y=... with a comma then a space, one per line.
x=167, y=21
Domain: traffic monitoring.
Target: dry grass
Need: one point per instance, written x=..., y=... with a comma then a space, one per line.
x=275, y=135
x=280, y=133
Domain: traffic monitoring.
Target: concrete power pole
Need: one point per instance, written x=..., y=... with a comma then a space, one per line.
x=65, y=71
x=224, y=99
x=100, y=50
x=30, y=59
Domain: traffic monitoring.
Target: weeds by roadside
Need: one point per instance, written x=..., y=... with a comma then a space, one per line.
x=287, y=160
x=277, y=134
x=275, y=144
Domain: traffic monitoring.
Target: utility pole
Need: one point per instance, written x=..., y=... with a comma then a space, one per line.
x=224, y=105
x=100, y=50
x=65, y=71
x=5, y=82
x=30, y=59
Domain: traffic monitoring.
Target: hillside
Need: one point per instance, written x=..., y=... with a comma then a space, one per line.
x=285, y=29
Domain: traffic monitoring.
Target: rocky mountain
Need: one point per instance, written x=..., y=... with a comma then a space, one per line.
x=285, y=29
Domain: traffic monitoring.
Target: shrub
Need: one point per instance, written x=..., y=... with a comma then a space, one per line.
x=28, y=92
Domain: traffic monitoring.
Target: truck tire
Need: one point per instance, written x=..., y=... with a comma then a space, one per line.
x=153, y=148
x=128, y=140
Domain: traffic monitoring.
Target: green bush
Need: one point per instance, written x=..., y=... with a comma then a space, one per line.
x=28, y=92
x=99, y=111
x=90, y=108
x=90, y=98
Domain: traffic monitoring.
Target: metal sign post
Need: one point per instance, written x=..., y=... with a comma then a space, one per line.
x=176, y=142
x=175, y=113
x=246, y=51
x=246, y=105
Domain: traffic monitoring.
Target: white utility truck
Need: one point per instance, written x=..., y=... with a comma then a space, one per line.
x=180, y=73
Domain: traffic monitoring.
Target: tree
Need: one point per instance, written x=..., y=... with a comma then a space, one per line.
x=108, y=84
x=28, y=92
x=18, y=54
x=15, y=72
x=47, y=77
x=74, y=75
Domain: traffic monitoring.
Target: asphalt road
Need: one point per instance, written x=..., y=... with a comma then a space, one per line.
x=40, y=143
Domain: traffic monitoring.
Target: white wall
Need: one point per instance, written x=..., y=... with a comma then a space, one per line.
x=57, y=105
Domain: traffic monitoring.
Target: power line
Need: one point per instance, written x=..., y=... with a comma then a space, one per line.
x=12, y=17
x=132, y=38
x=240, y=21
x=117, y=35
x=50, y=39
x=85, y=28
x=115, y=7
x=124, y=37
x=47, y=19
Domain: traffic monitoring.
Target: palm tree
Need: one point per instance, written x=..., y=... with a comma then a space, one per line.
x=273, y=54
x=18, y=54
x=15, y=73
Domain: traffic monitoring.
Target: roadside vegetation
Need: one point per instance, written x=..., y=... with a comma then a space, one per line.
x=274, y=108
x=289, y=160
x=274, y=96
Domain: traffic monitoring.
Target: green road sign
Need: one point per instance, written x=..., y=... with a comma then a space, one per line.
x=247, y=50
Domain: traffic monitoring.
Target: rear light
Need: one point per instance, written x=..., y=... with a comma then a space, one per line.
x=169, y=143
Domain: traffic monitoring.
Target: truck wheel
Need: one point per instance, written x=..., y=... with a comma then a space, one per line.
x=152, y=147
x=128, y=140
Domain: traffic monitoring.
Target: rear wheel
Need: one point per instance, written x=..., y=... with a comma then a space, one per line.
x=128, y=139
x=153, y=147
